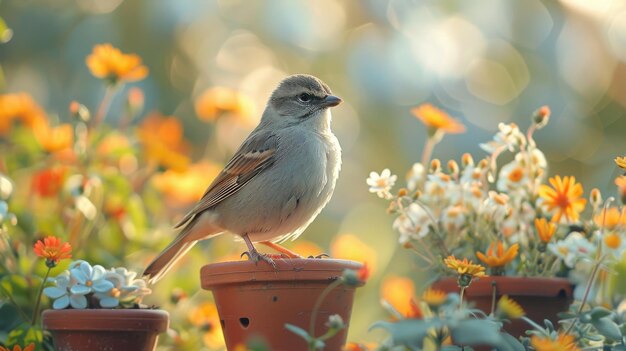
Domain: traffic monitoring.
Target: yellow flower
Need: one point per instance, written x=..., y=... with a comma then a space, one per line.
x=19, y=107
x=53, y=139
x=435, y=119
x=186, y=187
x=350, y=247
x=610, y=218
x=206, y=318
x=110, y=63
x=545, y=229
x=163, y=143
x=465, y=267
x=564, y=342
x=218, y=101
x=434, y=298
x=612, y=240
x=398, y=292
x=621, y=162
x=509, y=309
x=563, y=198
x=500, y=257
x=621, y=187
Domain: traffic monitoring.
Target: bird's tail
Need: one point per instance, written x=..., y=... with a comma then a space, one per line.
x=166, y=259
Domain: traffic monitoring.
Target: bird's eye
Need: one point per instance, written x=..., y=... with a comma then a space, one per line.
x=304, y=97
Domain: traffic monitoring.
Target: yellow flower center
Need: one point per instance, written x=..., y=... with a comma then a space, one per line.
x=516, y=175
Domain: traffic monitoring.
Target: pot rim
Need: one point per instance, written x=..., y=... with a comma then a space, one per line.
x=520, y=286
x=106, y=319
x=287, y=270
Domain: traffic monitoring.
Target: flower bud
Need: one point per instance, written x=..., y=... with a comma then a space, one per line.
x=80, y=111
x=453, y=167
x=595, y=198
x=435, y=166
x=402, y=192
x=467, y=160
x=335, y=322
x=541, y=116
x=135, y=100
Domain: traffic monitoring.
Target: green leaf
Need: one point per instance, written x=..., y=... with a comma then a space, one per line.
x=607, y=327
x=9, y=320
x=408, y=332
x=477, y=332
x=599, y=312
x=513, y=342
x=24, y=335
x=299, y=331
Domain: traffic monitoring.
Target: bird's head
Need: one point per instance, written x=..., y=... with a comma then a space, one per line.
x=299, y=98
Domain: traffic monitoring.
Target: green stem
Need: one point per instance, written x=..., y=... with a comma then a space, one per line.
x=461, y=296
x=36, y=310
x=592, y=278
x=318, y=304
x=493, y=296
x=17, y=307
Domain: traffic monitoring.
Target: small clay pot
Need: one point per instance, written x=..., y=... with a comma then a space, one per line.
x=541, y=298
x=257, y=300
x=105, y=330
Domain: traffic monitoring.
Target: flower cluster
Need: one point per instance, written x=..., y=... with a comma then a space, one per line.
x=84, y=286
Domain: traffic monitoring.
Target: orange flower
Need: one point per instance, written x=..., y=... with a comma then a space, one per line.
x=621, y=187
x=500, y=257
x=612, y=240
x=436, y=120
x=350, y=247
x=564, y=342
x=363, y=273
x=610, y=218
x=218, y=101
x=434, y=298
x=563, y=198
x=110, y=63
x=52, y=250
x=621, y=162
x=305, y=248
x=30, y=347
x=465, y=267
x=48, y=182
x=545, y=229
x=163, y=143
x=53, y=139
x=399, y=293
x=186, y=187
x=206, y=318
x=19, y=107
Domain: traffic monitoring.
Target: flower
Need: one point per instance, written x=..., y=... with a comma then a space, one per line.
x=399, y=293
x=110, y=63
x=16, y=347
x=572, y=249
x=62, y=295
x=163, y=143
x=206, y=318
x=434, y=298
x=88, y=279
x=564, y=342
x=348, y=246
x=621, y=162
x=541, y=116
x=436, y=120
x=186, y=187
x=610, y=218
x=48, y=182
x=217, y=101
x=621, y=188
x=612, y=240
x=412, y=224
x=465, y=269
x=563, y=198
x=508, y=137
x=54, y=139
x=500, y=257
x=545, y=229
x=335, y=322
x=53, y=250
x=21, y=107
x=381, y=183
x=353, y=346
x=509, y=309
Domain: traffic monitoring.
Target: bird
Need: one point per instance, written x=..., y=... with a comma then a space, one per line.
x=277, y=182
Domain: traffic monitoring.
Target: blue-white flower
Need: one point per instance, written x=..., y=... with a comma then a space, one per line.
x=88, y=279
x=62, y=295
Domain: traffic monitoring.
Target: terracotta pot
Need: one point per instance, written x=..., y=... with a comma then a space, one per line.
x=257, y=300
x=102, y=329
x=541, y=298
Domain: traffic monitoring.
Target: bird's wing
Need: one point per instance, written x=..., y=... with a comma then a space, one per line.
x=255, y=154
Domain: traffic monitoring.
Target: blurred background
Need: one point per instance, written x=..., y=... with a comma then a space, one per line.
x=483, y=62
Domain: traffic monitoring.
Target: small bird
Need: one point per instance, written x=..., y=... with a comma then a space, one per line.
x=277, y=182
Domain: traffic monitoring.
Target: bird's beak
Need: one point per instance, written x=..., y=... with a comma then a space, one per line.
x=331, y=100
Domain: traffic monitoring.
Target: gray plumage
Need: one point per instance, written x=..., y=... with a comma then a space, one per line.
x=278, y=181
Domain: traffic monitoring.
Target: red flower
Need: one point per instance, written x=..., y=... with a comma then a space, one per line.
x=48, y=182
x=363, y=273
x=52, y=250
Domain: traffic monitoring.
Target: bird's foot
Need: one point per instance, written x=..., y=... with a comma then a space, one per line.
x=255, y=256
x=322, y=255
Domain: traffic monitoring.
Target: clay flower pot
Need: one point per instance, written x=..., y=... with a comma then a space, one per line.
x=541, y=298
x=103, y=329
x=257, y=300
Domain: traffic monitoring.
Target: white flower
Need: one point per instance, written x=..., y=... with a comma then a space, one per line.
x=88, y=279
x=573, y=248
x=509, y=136
x=513, y=176
x=381, y=184
x=413, y=224
x=62, y=295
x=453, y=218
x=416, y=176
x=496, y=207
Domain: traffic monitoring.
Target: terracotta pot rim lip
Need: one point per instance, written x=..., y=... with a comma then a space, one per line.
x=286, y=264
x=106, y=319
x=509, y=277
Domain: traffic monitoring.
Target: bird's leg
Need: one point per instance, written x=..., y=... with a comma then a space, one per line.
x=254, y=255
x=283, y=250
